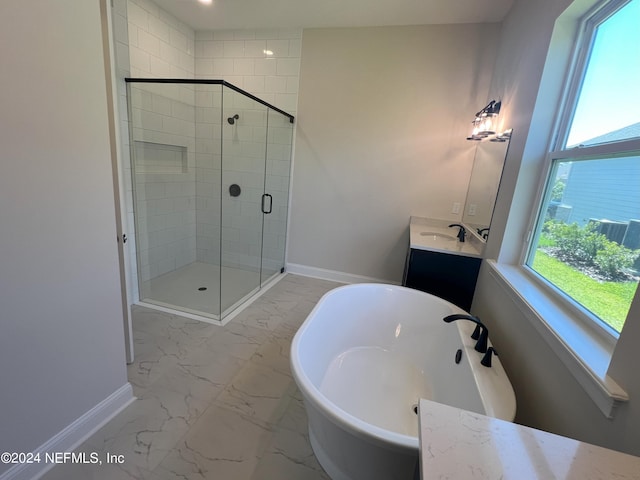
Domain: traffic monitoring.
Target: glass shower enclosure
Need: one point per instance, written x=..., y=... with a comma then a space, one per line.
x=210, y=171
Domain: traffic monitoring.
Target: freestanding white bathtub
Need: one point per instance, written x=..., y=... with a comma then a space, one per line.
x=364, y=357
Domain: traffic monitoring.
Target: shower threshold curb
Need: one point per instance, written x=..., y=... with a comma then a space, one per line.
x=234, y=310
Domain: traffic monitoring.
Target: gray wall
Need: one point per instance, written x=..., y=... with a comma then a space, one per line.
x=548, y=396
x=382, y=118
x=62, y=343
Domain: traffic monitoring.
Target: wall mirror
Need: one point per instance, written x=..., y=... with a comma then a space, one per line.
x=485, y=178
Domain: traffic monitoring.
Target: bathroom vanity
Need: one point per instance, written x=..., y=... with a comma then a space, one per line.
x=438, y=263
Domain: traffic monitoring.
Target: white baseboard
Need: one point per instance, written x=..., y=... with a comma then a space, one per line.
x=333, y=275
x=73, y=435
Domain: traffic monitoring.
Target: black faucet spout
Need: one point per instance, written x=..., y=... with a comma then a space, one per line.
x=482, y=336
x=462, y=232
x=484, y=232
x=486, y=360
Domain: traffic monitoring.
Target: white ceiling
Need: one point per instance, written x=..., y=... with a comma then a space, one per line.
x=256, y=14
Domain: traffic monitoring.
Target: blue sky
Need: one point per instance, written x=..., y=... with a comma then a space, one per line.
x=610, y=95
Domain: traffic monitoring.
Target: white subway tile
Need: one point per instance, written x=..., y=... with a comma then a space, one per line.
x=255, y=48
x=169, y=54
x=182, y=111
x=295, y=48
x=265, y=66
x=243, y=66
x=122, y=58
x=120, y=28
x=233, y=48
x=137, y=15
x=293, y=83
x=270, y=98
x=147, y=5
x=275, y=84
x=158, y=28
x=287, y=101
x=179, y=40
x=150, y=120
x=254, y=84
x=159, y=67
x=237, y=80
x=161, y=105
x=204, y=66
x=223, y=66
x=280, y=48
x=140, y=60
x=120, y=7
x=212, y=49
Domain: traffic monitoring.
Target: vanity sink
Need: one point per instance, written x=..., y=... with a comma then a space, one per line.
x=436, y=236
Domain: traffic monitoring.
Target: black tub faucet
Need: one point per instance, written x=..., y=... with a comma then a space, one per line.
x=486, y=360
x=481, y=333
x=461, y=232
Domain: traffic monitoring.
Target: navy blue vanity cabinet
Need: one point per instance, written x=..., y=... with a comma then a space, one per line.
x=445, y=275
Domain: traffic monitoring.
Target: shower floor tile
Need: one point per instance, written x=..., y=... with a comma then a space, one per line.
x=184, y=286
x=214, y=402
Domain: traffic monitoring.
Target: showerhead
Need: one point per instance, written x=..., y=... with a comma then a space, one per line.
x=233, y=119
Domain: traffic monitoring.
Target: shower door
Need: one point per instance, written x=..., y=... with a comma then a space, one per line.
x=276, y=193
x=256, y=161
x=244, y=133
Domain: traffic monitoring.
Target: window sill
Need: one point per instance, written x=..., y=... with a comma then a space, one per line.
x=585, y=354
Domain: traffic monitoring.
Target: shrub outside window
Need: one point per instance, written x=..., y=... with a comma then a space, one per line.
x=586, y=242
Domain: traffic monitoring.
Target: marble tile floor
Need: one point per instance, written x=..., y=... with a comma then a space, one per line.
x=213, y=402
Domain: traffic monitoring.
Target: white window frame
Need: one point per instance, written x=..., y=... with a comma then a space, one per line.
x=557, y=152
x=609, y=150
x=577, y=336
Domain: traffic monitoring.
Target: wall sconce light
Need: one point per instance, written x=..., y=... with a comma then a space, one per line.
x=502, y=137
x=485, y=122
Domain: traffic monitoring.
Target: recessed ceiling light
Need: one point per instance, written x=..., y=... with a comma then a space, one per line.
x=206, y=2
x=268, y=52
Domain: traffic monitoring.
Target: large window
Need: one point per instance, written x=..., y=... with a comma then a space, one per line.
x=586, y=243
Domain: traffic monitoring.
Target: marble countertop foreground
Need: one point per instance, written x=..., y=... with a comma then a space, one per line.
x=456, y=444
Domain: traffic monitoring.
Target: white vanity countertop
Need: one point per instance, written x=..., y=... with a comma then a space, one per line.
x=457, y=443
x=436, y=235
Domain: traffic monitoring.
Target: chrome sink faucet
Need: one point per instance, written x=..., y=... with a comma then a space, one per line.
x=462, y=232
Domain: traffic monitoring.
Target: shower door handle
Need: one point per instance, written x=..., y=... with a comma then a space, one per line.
x=264, y=197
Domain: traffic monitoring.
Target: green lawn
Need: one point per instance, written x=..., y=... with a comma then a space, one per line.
x=608, y=300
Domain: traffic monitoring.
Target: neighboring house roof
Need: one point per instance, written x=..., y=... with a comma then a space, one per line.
x=624, y=133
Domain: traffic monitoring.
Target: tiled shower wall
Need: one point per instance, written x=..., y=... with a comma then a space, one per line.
x=266, y=64
x=208, y=177
x=162, y=116
x=150, y=42
x=162, y=47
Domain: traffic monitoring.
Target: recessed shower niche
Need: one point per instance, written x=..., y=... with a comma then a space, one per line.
x=199, y=249
x=159, y=158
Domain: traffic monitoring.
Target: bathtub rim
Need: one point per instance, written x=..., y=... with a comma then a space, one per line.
x=366, y=431
x=334, y=413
